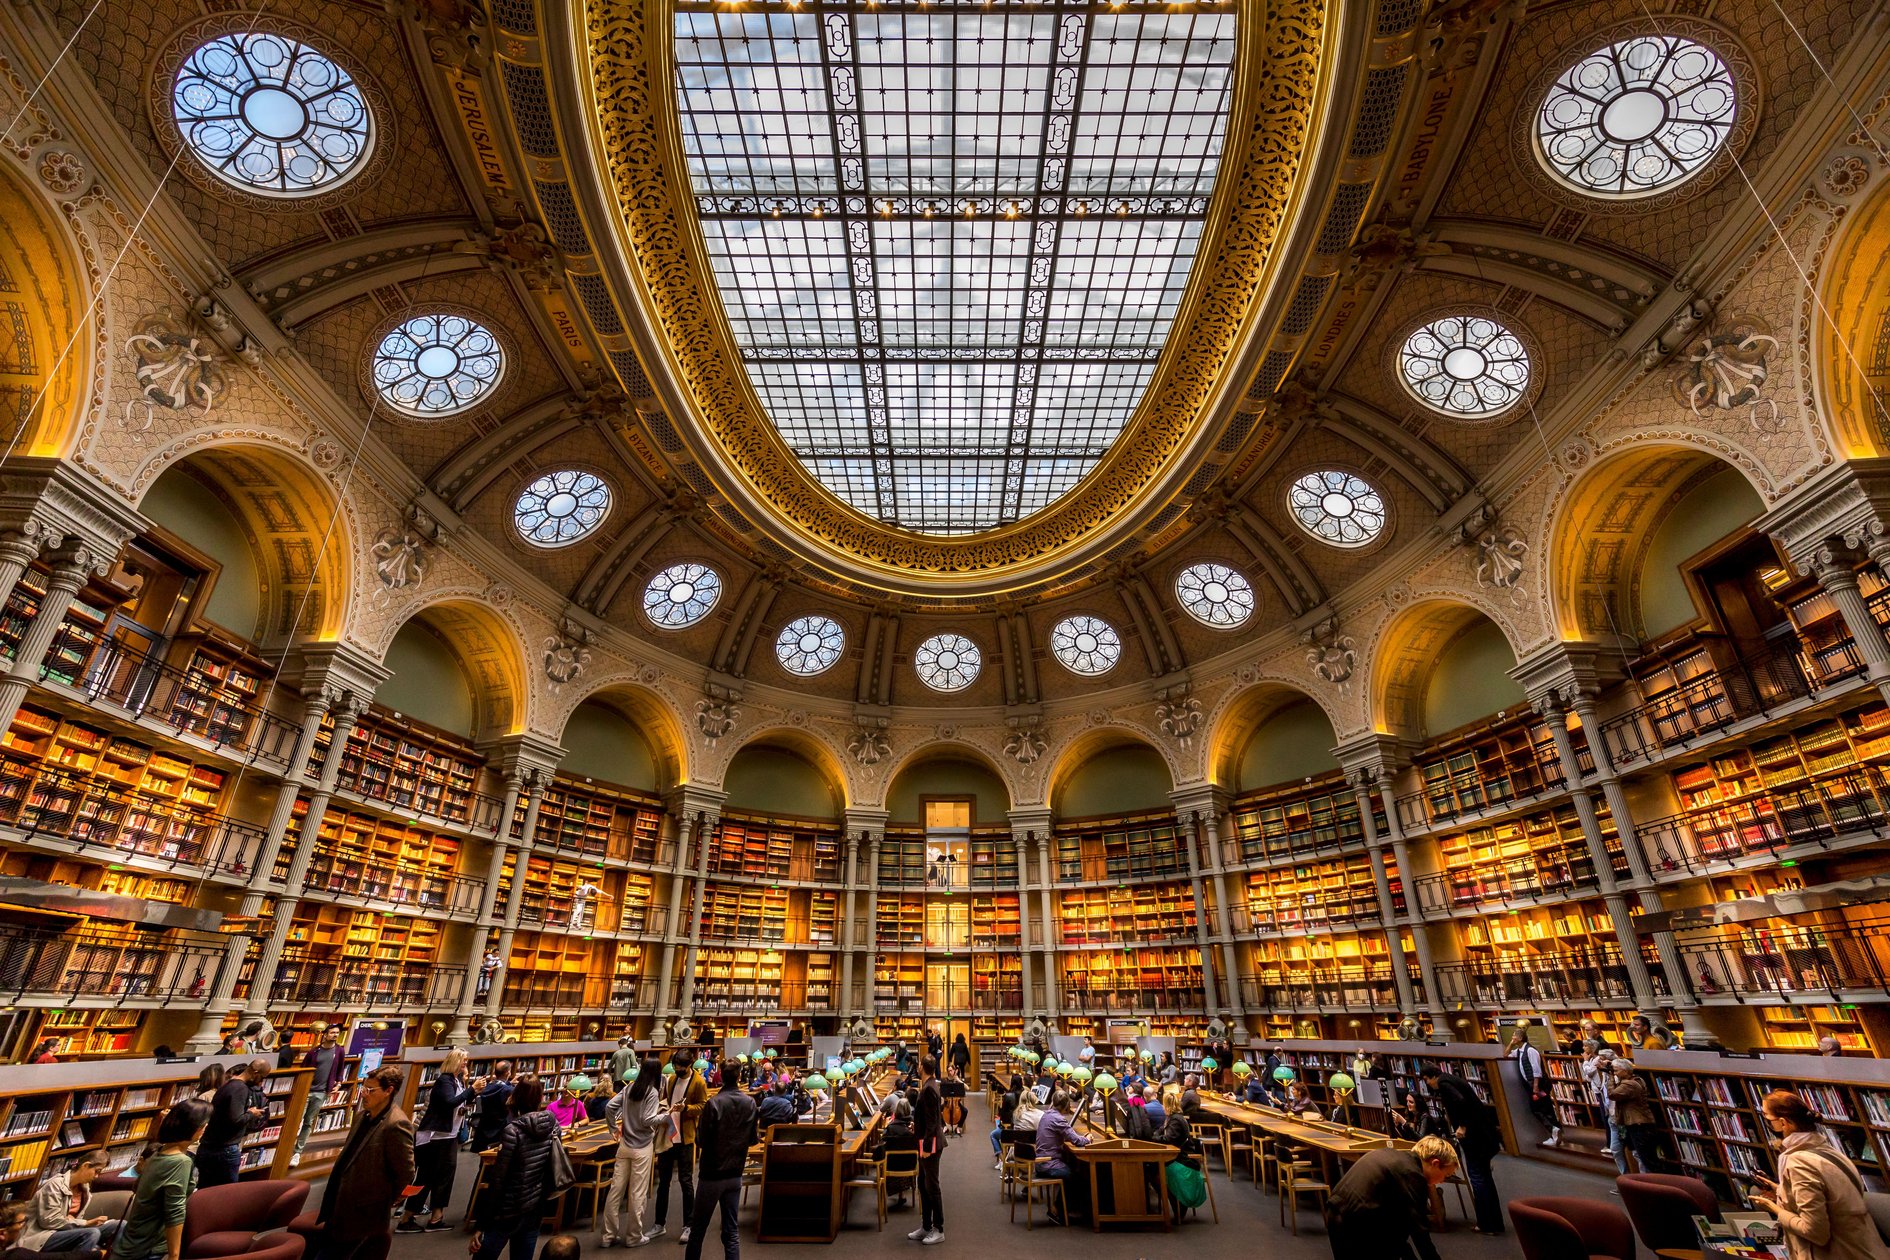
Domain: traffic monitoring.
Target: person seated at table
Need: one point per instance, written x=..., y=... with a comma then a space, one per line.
x=898, y=1135
x=1152, y=1104
x=1299, y=1102
x=568, y=1108
x=1259, y=1092
x=1029, y=1113
x=1177, y=1132
x=1382, y=1205
x=1055, y=1135
x=1006, y=1117
x=599, y=1097
x=1191, y=1098
x=1136, y=1122
x=1405, y=1122
x=777, y=1107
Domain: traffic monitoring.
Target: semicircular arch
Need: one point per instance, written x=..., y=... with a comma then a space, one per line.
x=489, y=649
x=1405, y=653
x=1851, y=349
x=804, y=744
x=654, y=718
x=1100, y=739
x=44, y=361
x=1239, y=718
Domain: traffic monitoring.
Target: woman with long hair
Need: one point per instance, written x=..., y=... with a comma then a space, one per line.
x=513, y=1203
x=633, y=1115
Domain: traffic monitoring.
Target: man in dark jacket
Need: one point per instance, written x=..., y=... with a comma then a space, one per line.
x=233, y=1113
x=928, y=1125
x=724, y=1132
x=374, y=1167
x=491, y=1106
x=1474, y=1122
x=330, y=1064
x=1384, y=1201
x=777, y=1108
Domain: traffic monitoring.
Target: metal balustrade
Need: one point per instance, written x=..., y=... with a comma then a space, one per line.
x=306, y=980
x=1719, y=697
x=1364, y=914
x=473, y=810
x=1798, y=964
x=1593, y=974
x=1333, y=986
x=411, y=887
x=85, y=963
x=1813, y=813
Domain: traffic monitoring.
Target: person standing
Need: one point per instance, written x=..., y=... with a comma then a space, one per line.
x=633, y=1116
x=1819, y=1196
x=960, y=1057
x=1633, y=1114
x=44, y=1051
x=154, y=1221
x=493, y=1106
x=724, y=1132
x=329, y=1064
x=623, y=1061
x=1473, y=1121
x=56, y=1218
x=935, y=1044
x=436, y=1145
x=929, y=1127
x=233, y=1114
x=1534, y=1070
x=1597, y=1076
x=1382, y=1205
x=1645, y=1034
x=374, y=1168
x=683, y=1099
x=513, y=1203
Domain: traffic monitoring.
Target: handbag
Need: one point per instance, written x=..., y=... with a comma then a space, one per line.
x=563, y=1176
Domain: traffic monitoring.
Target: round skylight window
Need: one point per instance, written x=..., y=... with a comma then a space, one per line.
x=947, y=662
x=1337, y=507
x=1086, y=645
x=681, y=595
x=560, y=508
x=1637, y=116
x=1214, y=595
x=437, y=365
x=809, y=645
x=1465, y=365
x=271, y=115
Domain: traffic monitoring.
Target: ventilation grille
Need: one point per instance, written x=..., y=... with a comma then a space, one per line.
x=769, y=547
x=1307, y=300
x=1395, y=17
x=662, y=430
x=592, y=291
x=519, y=16
x=1342, y=220
x=1121, y=551
x=531, y=109
x=1272, y=372
x=1203, y=478
x=1236, y=432
x=731, y=518
x=1379, y=111
x=630, y=373
x=561, y=216
x=697, y=479
x=1164, y=518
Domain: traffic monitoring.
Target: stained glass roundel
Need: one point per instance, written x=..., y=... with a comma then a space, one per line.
x=809, y=645
x=1214, y=595
x=560, y=507
x=681, y=595
x=1465, y=365
x=1337, y=507
x=271, y=115
x=1637, y=116
x=437, y=365
x=1086, y=645
x=947, y=662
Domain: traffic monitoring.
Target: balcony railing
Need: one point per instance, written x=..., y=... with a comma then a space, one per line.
x=1721, y=836
x=400, y=885
x=1336, y=914
x=99, y=813
x=1501, y=884
x=1091, y=999
x=168, y=698
x=1077, y=933
x=1588, y=975
x=1332, y=986
x=87, y=964
x=474, y=810
x=305, y=981
x=1717, y=698
x=1799, y=964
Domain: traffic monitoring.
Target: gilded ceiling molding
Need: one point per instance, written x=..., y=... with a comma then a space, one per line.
x=1295, y=66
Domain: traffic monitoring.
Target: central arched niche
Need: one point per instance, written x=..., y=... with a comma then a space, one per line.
x=426, y=681
x=1716, y=503
x=1123, y=775
x=1438, y=666
x=1292, y=743
x=182, y=503
x=601, y=743
x=769, y=778
x=947, y=775
x=1471, y=679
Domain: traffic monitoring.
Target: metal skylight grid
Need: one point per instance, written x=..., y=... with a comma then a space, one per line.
x=951, y=242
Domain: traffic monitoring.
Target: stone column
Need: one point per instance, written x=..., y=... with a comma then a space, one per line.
x=872, y=839
x=536, y=780
x=18, y=549
x=1839, y=580
x=348, y=709
x=1420, y=931
x=666, y=976
x=488, y=897
x=1210, y=991
x=315, y=706
x=1550, y=706
x=209, y=1034
x=1023, y=913
x=1362, y=782
x=706, y=826
x=70, y=568
x=1053, y=977
x=846, y=929
x=1236, y=1004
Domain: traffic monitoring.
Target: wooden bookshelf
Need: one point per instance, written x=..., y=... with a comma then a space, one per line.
x=1307, y=820
x=597, y=821
x=899, y=984
x=360, y=855
x=744, y=912
x=404, y=764
x=993, y=861
x=553, y=969
x=1534, y=855
x=1133, y=979
x=762, y=848
x=1137, y=914
x=1337, y=891
x=1340, y=970
x=1135, y=846
x=1487, y=767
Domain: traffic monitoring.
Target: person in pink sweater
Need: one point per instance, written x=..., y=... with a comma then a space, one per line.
x=568, y=1107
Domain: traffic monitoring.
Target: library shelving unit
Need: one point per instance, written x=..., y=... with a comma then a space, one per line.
x=1133, y=979
x=51, y=1115
x=406, y=765
x=1710, y=1107
x=1137, y=914
x=1297, y=823
x=1323, y=971
x=901, y=859
x=990, y=1037
x=993, y=861
x=1336, y=891
x=900, y=923
x=557, y=970
x=1134, y=846
x=745, y=912
x=1489, y=766
x=564, y=894
x=553, y=1062
x=1527, y=857
x=359, y=855
x=899, y=986
x=1485, y=1067
x=593, y=820
x=764, y=980
x=772, y=848
x=995, y=922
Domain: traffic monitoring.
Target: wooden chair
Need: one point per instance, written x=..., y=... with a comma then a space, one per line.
x=752, y=1170
x=1052, y=1188
x=594, y=1175
x=1298, y=1177
x=1213, y=1139
x=1236, y=1143
x=868, y=1174
x=901, y=1169
x=1018, y=1154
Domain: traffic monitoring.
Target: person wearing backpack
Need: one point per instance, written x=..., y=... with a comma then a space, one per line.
x=1818, y=1197
x=523, y=1177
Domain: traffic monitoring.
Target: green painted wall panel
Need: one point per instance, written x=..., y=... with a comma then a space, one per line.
x=1292, y=744
x=776, y=781
x=427, y=682
x=186, y=507
x=601, y=743
x=1120, y=780
x=991, y=802
x=1471, y=679
x=1709, y=512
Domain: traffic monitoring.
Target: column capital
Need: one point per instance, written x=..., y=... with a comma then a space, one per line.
x=530, y=756
x=57, y=501
x=1564, y=671
x=336, y=667
x=867, y=821
x=1031, y=820
x=1206, y=799
x=1848, y=500
x=1383, y=755
x=692, y=801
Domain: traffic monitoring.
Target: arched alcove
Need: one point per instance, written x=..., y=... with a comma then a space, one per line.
x=1850, y=351
x=1293, y=742
x=1439, y=665
x=181, y=502
x=427, y=681
x=1115, y=773
x=768, y=778
x=44, y=362
x=948, y=774
x=452, y=642
x=600, y=742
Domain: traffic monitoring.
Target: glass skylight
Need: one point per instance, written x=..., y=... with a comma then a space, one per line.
x=809, y=645
x=1337, y=507
x=270, y=115
x=950, y=244
x=560, y=507
x=681, y=595
x=1086, y=645
x=947, y=662
x=1637, y=116
x=1468, y=366
x=1214, y=595
x=432, y=366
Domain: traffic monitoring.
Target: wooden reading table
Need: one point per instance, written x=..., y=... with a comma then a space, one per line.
x=1119, y=1164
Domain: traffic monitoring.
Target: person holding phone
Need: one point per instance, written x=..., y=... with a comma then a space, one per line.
x=1819, y=1196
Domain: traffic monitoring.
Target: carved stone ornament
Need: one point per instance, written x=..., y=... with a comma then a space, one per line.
x=1025, y=744
x=1500, y=552
x=62, y=173
x=869, y=744
x=400, y=557
x=177, y=370
x=567, y=654
x=1726, y=370
x=1332, y=655
x=1179, y=714
x=325, y=454
x=716, y=712
x=526, y=248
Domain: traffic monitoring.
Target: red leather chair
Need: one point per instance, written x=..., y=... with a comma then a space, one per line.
x=274, y=1247
x=287, y=1207
x=1571, y=1229
x=224, y=1220
x=1662, y=1207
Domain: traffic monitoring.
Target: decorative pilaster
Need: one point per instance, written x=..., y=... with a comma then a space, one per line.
x=1023, y=916
x=535, y=780
x=683, y=829
x=1371, y=764
x=706, y=808
x=868, y=826
x=1027, y=826
x=476, y=939
x=847, y=946
x=1197, y=810
x=1362, y=781
x=71, y=566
